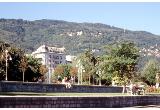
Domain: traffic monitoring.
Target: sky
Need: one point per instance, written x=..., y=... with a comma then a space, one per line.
x=133, y=16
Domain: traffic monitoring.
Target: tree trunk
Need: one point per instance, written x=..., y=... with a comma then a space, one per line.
x=74, y=80
x=93, y=80
x=100, y=82
x=23, y=76
x=89, y=79
x=124, y=89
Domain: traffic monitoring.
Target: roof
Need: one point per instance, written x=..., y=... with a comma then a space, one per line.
x=45, y=48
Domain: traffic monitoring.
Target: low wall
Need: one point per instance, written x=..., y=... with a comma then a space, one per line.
x=36, y=87
x=78, y=102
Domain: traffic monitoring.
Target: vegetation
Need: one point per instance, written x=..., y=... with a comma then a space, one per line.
x=122, y=59
x=119, y=63
x=149, y=72
x=64, y=70
x=76, y=37
x=87, y=60
x=21, y=67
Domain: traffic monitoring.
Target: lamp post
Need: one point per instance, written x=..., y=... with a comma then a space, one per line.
x=6, y=54
x=49, y=72
x=99, y=73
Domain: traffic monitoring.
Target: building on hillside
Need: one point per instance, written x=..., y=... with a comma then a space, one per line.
x=51, y=57
x=70, y=58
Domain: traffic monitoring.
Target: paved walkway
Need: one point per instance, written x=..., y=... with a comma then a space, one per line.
x=147, y=106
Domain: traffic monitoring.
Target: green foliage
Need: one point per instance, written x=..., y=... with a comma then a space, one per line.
x=88, y=62
x=121, y=61
x=23, y=65
x=149, y=71
x=13, y=72
x=62, y=70
x=29, y=35
x=32, y=72
x=20, y=67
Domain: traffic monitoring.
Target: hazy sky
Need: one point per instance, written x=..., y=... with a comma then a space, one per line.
x=133, y=16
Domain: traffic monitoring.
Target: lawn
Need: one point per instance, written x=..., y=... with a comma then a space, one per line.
x=68, y=94
x=61, y=94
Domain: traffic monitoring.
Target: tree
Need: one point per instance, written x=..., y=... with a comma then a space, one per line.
x=58, y=73
x=102, y=76
x=43, y=69
x=3, y=46
x=149, y=72
x=23, y=65
x=88, y=62
x=73, y=72
x=32, y=73
x=121, y=61
x=13, y=65
x=61, y=71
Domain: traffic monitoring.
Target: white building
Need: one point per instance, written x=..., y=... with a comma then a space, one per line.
x=51, y=57
x=70, y=58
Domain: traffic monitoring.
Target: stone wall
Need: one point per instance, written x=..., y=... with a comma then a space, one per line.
x=78, y=102
x=37, y=87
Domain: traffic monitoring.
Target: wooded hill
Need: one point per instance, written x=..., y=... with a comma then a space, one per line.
x=75, y=37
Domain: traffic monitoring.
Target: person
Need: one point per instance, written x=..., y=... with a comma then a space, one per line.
x=133, y=88
x=39, y=80
x=66, y=82
x=72, y=80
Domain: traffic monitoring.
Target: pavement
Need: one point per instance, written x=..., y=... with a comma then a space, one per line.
x=146, y=106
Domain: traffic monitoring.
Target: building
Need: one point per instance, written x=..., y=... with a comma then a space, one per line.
x=70, y=59
x=51, y=57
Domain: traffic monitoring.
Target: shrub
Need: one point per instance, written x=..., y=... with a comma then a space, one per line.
x=152, y=89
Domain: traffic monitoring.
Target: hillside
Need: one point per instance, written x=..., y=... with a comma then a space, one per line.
x=76, y=37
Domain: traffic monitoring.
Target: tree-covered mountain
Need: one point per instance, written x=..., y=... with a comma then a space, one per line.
x=75, y=37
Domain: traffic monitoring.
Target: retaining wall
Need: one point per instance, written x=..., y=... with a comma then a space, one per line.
x=37, y=87
x=78, y=102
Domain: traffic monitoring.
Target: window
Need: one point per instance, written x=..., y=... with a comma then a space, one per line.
x=57, y=57
x=56, y=62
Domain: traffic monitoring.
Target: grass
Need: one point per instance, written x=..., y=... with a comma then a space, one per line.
x=65, y=94
x=61, y=94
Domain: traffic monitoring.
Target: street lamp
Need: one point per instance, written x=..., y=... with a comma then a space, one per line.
x=6, y=54
x=99, y=73
x=50, y=70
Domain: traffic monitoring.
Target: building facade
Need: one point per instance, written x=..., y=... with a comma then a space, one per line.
x=51, y=57
x=70, y=59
